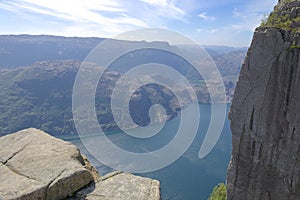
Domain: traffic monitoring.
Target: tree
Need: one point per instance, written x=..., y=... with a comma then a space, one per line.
x=218, y=193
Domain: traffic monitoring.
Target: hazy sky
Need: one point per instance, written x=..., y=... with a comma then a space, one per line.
x=218, y=22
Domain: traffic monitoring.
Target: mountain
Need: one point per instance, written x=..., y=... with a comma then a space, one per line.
x=223, y=49
x=24, y=50
x=40, y=96
x=265, y=120
x=37, y=81
x=230, y=63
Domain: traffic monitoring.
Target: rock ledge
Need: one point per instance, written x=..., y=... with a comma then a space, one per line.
x=35, y=165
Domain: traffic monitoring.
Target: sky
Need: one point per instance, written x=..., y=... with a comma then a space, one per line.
x=208, y=22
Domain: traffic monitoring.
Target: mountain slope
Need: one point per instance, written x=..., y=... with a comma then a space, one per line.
x=24, y=50
x=40, y=96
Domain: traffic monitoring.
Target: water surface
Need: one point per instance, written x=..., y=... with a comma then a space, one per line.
x=189, y=178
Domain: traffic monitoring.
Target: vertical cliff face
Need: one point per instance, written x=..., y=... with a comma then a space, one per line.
x=265, y=113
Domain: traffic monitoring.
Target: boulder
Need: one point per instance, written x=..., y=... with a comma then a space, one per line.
x=118, y=185
x=35, y=165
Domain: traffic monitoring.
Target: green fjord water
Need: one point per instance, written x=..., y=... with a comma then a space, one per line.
x=188, y=178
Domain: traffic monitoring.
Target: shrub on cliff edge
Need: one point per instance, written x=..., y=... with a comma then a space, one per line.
x=218, y=193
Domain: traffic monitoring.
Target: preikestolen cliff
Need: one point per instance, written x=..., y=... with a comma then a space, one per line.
x=118, y=108
x=264, y=112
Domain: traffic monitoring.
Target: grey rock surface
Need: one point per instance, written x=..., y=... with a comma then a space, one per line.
x=118, y=185
x=37, y=166
x=265, y=120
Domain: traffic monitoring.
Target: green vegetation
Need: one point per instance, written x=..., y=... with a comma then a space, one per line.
x=277, y=20
x=38, y=101
x=285, y=19
x=218, y=193
x=264, y=20
x=40, y=96
x=295, y=45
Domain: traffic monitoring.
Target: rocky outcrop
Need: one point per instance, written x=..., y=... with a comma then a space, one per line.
x=118, y=186
x=265, y=120
x=35, y=165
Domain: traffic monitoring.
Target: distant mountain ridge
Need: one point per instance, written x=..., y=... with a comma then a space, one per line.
x=37, y=74
x=24, y=50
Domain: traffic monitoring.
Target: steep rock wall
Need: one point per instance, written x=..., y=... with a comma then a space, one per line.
x=265, y=119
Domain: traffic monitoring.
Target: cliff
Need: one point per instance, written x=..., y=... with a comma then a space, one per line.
x=35, y=165
x=265, y=120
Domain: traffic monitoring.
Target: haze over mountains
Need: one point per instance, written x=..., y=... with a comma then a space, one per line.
x=38, y=72
x=24, y=50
